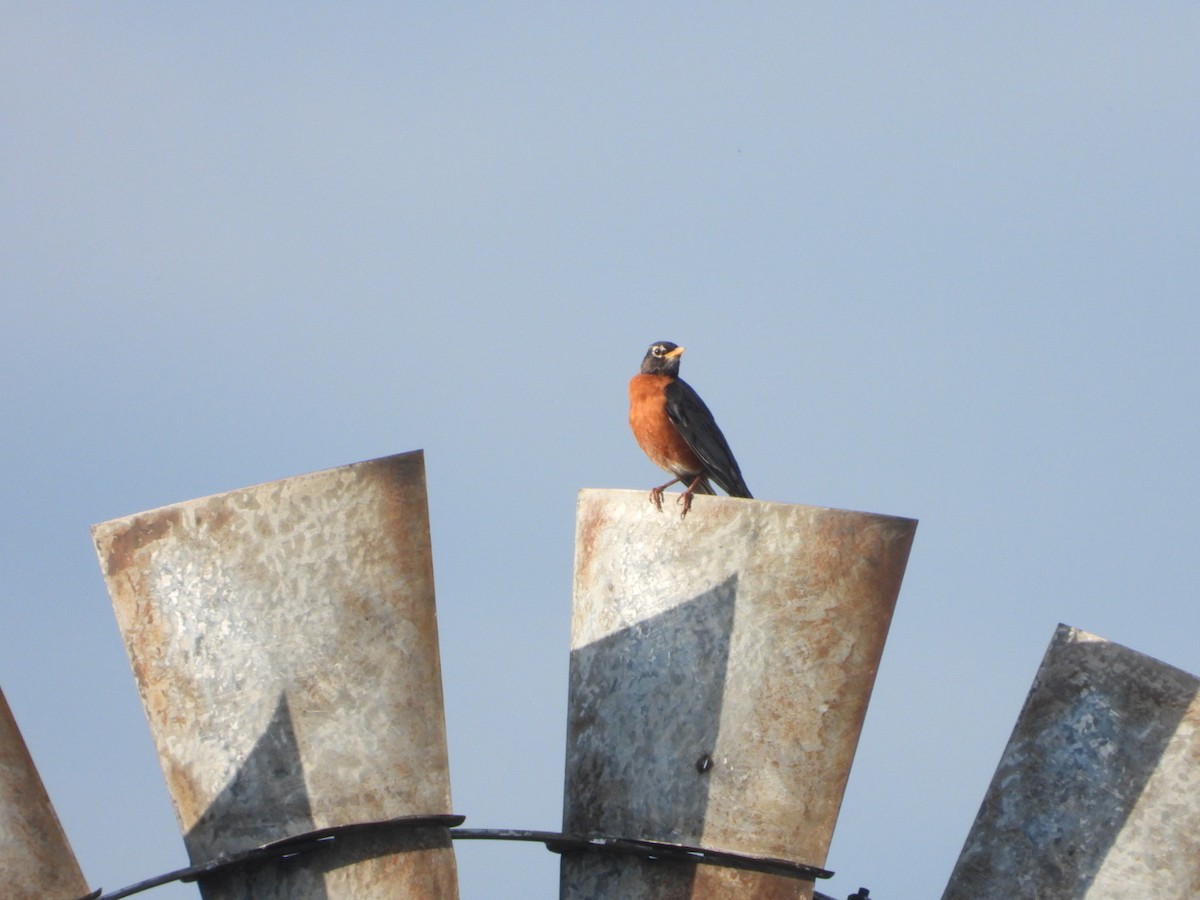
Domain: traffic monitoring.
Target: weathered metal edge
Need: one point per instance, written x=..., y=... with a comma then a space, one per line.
x=568, y=843
x=720, y=498
x=418, y=455
x=293, y=845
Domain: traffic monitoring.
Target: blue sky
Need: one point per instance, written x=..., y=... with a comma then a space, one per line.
x=928, y=260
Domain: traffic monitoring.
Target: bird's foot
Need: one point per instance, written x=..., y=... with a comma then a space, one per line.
x=656, y=493
x=686, y=497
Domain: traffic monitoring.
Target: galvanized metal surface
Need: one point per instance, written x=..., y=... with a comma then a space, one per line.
x=1098, y=792
x=721, y=667
x=36, y=862
x=596, y=877
x=284, y=642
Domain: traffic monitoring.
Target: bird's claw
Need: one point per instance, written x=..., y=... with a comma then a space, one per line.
x=686, y=499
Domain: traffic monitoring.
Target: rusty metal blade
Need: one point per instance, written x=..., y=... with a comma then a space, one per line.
x=1097, y=794
x=721, y=667
x=284, y=642
x=36, y=862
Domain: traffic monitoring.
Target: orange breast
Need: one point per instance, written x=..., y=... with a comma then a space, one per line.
x=653, y=429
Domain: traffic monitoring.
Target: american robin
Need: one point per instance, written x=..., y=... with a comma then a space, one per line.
x=675, y=428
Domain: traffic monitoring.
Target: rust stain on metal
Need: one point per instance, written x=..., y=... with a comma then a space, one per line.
x=749, y=634
x=716, y=883
x=36, y=862
x=284, y=642
x=1097, y=794
x=142, y=530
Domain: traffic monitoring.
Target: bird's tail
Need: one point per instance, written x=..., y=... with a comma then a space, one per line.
x=736, y=489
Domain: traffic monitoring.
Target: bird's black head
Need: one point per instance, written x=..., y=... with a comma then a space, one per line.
x=662, y=359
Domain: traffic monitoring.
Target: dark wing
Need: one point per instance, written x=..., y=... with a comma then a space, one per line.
x=697, y=426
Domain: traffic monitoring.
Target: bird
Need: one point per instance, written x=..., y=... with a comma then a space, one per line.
x=675, y=429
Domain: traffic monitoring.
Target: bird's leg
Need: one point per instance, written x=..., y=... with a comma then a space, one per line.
x=686, y=497
x=656, y=493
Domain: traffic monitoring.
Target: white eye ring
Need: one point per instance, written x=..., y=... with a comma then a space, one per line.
x=659, y=349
